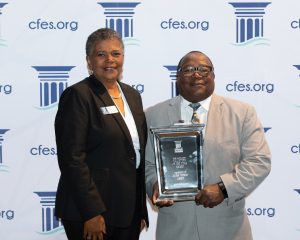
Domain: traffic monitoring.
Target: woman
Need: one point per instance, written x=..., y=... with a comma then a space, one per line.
x=100, y=135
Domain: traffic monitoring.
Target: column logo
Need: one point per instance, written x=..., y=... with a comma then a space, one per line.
x=2, y=41
x=119, y=16
x=298, y=67
x=50, y=224
x=3, y=168
x=250, y=23
x=266, y=129
x=173, y=76
x=298, y=191
x=53, y=81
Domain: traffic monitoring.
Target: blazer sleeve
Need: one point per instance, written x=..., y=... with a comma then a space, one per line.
x=151, y=176
x=71, y=129
x=255, y=159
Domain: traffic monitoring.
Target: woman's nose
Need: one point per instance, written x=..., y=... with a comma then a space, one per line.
x=109, y=58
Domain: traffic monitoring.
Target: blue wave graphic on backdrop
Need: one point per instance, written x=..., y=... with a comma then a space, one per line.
x=3, y=43
x=254, y=41
x=56, y=230
x=48, y=107
x=4, y=168
x=131, y=41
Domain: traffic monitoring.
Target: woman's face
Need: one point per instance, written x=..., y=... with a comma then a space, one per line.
x=106, y=60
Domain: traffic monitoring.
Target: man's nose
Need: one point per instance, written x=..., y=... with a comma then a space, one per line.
x=197, y=74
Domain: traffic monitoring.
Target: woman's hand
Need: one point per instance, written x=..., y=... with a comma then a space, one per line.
x=94, y=228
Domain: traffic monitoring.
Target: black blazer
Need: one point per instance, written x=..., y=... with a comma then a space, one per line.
x=96, y=156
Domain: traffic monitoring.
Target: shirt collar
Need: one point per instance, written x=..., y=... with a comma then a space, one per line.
x=204, y=104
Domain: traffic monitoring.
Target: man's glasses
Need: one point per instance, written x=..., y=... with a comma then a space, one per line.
x=203, y=70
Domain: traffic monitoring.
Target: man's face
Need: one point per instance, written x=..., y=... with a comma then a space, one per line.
x=198, y=85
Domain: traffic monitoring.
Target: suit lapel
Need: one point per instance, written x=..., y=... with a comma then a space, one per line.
x=102, y=93
x=174, y=111
x=215, y=113
x=214, y=118
x=135, y=112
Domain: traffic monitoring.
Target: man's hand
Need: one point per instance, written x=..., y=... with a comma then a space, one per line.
x=210, y=196
x=160, y=203
x=94, y=228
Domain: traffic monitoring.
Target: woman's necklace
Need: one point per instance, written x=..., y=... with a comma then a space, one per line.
x=118, y=97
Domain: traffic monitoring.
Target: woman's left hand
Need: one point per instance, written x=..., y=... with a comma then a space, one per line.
x=94, y=228
x=143, y=225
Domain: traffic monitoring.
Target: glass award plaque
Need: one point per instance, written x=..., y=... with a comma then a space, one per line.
x=179, y=161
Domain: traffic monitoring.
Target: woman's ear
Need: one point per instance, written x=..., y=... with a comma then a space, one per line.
x=89, y=67
x=88, y=62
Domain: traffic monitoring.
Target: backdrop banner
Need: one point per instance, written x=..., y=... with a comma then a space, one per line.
x=254, y=46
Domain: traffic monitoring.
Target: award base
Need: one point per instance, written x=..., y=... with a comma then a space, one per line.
x=176, y=197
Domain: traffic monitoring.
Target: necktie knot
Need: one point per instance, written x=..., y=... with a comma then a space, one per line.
x=195, y=106
x=195, y=117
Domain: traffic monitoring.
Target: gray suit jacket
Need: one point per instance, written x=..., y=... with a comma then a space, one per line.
x=235, y=150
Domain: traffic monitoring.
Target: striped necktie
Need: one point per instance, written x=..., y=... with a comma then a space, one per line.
x=195, y=117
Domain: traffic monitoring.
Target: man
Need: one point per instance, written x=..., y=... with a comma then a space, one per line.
x=236, y=158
